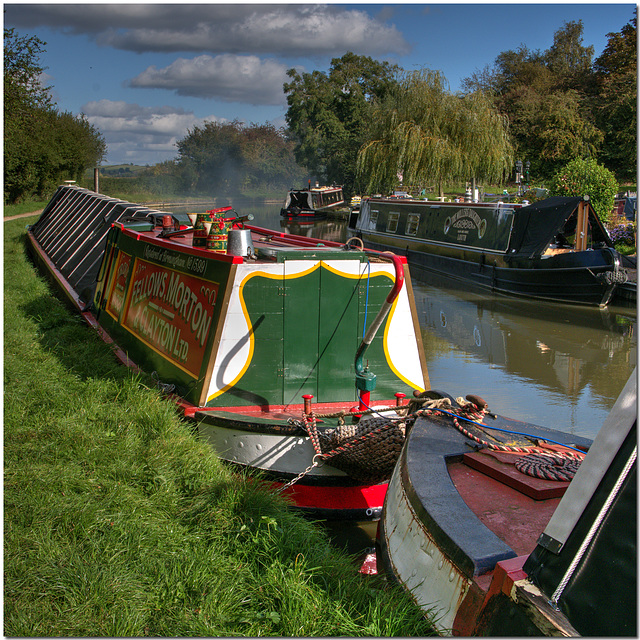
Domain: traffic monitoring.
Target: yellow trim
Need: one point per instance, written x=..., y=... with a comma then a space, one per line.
x=386, y=350
x=284, y=276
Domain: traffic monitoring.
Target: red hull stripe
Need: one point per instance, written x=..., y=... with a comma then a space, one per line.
x=337, y=498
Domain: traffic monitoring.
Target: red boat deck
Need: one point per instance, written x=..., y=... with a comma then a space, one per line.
x=513, y=513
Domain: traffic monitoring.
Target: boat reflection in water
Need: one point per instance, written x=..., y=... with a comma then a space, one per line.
x=551, y=364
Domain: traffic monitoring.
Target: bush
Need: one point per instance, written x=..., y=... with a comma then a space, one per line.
x=582, y=177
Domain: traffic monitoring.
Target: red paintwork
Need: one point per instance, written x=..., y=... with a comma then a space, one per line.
x=348, y=498
x=500, y=465
x=513, y=516
x=280, y=411
x=501, y=579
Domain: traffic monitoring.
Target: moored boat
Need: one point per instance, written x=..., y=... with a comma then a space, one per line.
x=492, y=530
x=312, y=203
x=274, y=345
x=556, y=249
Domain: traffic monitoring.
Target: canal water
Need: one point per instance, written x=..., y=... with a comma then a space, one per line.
x=559, y=366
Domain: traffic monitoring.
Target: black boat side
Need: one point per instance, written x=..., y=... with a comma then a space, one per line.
x=556, y=249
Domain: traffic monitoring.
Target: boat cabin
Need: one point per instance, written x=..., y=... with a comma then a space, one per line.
x=312, y=199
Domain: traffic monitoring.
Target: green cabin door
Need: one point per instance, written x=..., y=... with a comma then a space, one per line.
x=320, y=335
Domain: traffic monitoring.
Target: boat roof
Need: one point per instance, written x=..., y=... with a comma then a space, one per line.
x=536, y=225
x=317, y=189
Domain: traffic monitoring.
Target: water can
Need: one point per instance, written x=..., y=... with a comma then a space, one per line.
x=218, y=232
x=240, y=242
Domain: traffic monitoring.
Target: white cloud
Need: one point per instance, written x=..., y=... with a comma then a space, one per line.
x=229, y=78
x=144, y=135
x=285, y=30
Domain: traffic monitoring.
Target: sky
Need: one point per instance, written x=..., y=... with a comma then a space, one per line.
x=146, y=74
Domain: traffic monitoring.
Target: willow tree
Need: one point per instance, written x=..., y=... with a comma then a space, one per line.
x=427, y=134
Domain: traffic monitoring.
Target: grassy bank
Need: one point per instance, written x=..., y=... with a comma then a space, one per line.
x=119, y=522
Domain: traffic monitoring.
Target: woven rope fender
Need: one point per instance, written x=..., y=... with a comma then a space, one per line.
x=548, y=467
x=367, y=451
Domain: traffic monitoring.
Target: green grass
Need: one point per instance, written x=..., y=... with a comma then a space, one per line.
x=24, y=207
x=119, y=522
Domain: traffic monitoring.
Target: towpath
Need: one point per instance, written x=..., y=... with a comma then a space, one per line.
x=23, y=215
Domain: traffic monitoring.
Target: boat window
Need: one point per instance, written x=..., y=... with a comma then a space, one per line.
x=373, y=218
x=413, y=220
x=392, y=222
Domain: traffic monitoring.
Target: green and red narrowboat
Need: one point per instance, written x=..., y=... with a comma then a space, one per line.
x=275, y=345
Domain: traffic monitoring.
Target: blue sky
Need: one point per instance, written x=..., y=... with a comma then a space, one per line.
x=144, y=74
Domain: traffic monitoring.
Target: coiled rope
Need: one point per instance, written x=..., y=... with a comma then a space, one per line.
x=538, y=463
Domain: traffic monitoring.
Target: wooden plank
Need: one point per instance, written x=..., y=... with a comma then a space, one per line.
x=498, y=468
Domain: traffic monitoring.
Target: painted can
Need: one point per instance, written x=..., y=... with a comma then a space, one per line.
x=218, y=234
x=200, y=232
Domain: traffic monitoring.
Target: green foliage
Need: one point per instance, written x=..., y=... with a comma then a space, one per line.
x=615, y=100
x=561, y=106
x=329, y=114
x=42, y=146
x=426, y=134
x=567, y=59
x=582, y=177
x=232, y=158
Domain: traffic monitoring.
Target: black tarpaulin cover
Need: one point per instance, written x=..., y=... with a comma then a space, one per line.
x=600, y=597
x=536, y=225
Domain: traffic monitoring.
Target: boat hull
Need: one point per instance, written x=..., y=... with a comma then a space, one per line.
x=565, y=279
x=432, y=540
x=494, y=248
x=238, y=341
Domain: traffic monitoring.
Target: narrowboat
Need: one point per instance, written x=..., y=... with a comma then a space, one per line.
x=283, y=350
x=555, y=249
x=312, y=203
x=503, y=528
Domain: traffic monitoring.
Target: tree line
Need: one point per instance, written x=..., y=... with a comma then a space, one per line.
x=365, y=124
x=42, y=145
x=369, y=125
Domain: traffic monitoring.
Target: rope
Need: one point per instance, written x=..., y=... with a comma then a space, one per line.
x=548, y=467
x=310, y=426
x=368, y=451
x=475, y=418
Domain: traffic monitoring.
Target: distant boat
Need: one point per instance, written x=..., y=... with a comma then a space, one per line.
x=313, y=203
x=556, y=249
x=279, y=348
x=492, y=530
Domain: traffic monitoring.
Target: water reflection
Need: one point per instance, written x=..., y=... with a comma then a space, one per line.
x=557, y=365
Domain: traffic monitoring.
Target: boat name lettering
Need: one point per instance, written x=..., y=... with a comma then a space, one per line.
x=186, y=303
x=161, y=333
x=172, y=312
x=186, y=262
x=466, y=219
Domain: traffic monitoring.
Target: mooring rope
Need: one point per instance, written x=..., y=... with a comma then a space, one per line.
x=385, y=435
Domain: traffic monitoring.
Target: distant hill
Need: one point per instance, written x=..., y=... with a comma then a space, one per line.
x=118, y=171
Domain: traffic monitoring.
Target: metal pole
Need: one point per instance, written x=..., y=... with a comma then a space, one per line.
x=96, y=180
